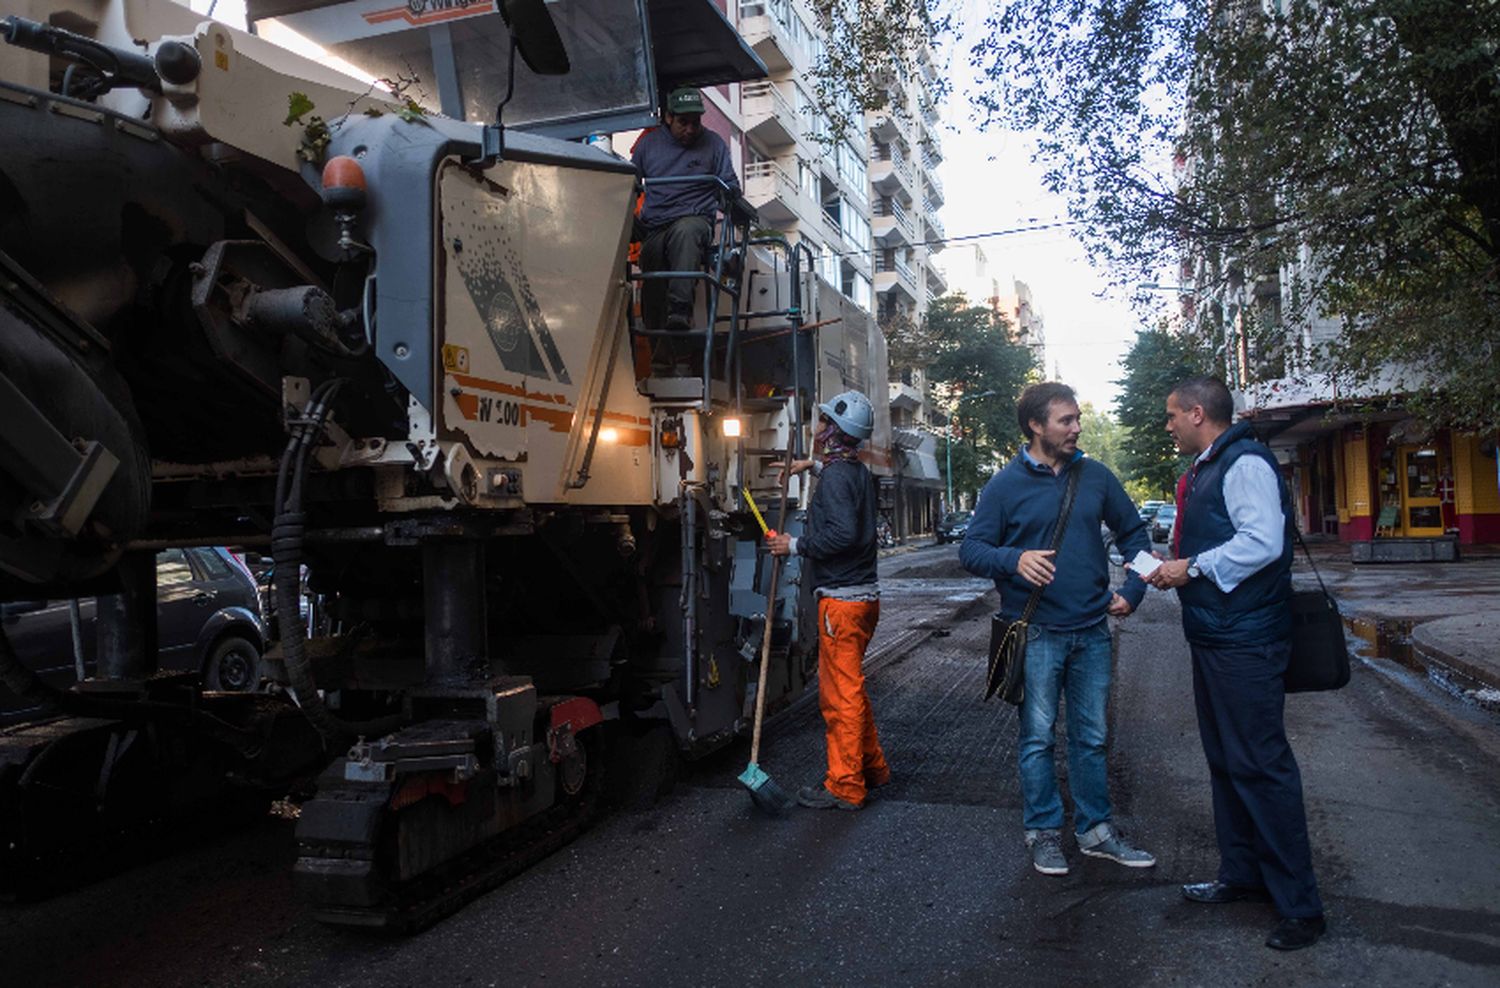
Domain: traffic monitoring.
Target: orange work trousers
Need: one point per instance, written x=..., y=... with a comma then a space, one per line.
x=855, y=761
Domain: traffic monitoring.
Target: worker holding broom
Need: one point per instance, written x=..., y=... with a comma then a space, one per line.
x=839, y=546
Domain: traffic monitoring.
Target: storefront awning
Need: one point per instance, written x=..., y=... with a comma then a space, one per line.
x=922, y=467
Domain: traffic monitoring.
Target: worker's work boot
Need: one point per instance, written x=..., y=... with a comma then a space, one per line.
x=819, y=798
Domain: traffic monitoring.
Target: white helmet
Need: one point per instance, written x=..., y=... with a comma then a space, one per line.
x=852, y=413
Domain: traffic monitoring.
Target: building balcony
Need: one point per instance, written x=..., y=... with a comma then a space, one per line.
x=904, y=397
x=929, y=110
x=883, y=126
x=892, y=175
x=936, y=283
x=891, y=224
x=774, y=193
x=896, y=278
x=934, y=192
x=769, y=117
x=925, y=64
x=934, y=232
x=766, y=27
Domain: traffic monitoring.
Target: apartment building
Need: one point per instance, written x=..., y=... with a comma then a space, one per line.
x=970, y=272
x=1360, y=466
x=867, y=204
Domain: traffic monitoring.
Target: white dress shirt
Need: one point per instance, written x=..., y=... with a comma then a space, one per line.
x=1252, y=496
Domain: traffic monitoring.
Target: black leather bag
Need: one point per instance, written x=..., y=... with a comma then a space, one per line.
x=1007, y=670
x=1007, y=674
x=1320, y=652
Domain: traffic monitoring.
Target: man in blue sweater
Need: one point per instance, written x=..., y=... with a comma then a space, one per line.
x=1069, y=647
x=676, y=221
x=1233, y=575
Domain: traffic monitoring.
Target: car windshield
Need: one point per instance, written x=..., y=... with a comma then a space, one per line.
x=956, y=518
x=1166, y=513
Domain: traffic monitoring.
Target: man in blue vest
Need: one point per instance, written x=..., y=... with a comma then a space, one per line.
x=1233, y=576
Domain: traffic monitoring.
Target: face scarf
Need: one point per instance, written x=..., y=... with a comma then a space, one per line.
x=834, y=445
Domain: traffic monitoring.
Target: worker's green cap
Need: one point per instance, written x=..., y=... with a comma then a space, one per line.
x=685, y=99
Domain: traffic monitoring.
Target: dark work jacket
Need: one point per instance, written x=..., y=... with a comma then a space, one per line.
x=1256, y=612
x=840, y=534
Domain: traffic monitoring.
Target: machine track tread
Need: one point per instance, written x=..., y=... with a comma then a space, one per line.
x=423, y=901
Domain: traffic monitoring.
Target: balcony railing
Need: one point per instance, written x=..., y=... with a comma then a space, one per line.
x=767, y=26
x=934, y=188
x=935, y=230
x=772, y=191
x=900, y=269
x=888, y=164
x=891, y=208
x=768, y=114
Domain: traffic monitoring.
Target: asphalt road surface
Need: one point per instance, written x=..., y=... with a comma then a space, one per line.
x=929, y=884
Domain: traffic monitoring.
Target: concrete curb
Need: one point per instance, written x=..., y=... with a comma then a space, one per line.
x=1425, y=641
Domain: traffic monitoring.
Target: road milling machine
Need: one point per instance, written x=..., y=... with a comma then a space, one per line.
x=353, y=286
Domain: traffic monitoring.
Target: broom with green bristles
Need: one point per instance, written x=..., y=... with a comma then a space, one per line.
x=764, y=792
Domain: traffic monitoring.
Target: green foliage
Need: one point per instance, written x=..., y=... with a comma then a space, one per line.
x=1103, y=438
x=1156, y=363
x=1304, y=160
x=869, y=46
x=315, y=135
x=298, y=106
x=974, y=364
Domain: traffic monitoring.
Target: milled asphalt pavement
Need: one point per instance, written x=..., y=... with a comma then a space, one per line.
x=929, y=884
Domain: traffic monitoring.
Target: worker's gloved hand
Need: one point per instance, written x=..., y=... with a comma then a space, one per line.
x=780, y=544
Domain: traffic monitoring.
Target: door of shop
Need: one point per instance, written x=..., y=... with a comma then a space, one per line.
x=1421, y=503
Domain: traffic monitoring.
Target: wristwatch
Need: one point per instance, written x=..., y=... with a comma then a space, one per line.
x=1193, y=571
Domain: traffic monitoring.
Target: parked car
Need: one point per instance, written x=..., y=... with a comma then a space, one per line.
x=1149, y=510
x=208, y=621
x=1162, y=522
x=953, y=526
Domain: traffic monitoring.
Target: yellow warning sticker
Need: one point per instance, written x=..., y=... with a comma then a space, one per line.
x=455, y=358
x=221, y=60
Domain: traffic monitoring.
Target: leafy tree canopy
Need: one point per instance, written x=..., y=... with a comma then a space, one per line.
x=1103, y=438
x=1157, y=362
x=978, y=370
x=1308, y=163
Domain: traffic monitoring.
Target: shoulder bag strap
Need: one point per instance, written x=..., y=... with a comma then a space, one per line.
x=1298, y=532
x=1057, y=536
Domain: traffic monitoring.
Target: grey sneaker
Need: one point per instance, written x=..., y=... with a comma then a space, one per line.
x=1104, y=841
x=1046, y=851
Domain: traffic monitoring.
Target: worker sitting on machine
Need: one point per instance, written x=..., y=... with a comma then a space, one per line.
x=676, y=221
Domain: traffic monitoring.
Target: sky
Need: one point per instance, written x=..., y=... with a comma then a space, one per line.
x=991, y=183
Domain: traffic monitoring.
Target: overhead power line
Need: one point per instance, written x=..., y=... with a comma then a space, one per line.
x=1012, y=231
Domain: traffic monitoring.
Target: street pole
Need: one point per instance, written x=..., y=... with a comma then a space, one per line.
x=952, y=415
x=949, y=505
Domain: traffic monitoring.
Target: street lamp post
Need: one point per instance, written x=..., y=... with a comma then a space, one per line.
x=960, y=401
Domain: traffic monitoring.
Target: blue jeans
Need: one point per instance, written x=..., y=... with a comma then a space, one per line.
x=1077, y=663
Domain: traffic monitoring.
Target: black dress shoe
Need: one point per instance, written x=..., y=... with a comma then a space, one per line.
x=1294, y=934
x=1218, y=892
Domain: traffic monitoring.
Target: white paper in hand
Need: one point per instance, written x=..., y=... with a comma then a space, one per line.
x=1144, y=564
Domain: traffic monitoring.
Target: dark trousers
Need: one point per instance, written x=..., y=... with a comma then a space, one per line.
x=675, y=246
x=1257, y=790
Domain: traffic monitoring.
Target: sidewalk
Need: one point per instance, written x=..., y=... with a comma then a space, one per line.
x=1442, y=619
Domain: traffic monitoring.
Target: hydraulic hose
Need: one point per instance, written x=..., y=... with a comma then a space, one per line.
x=286, y=551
